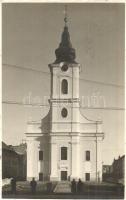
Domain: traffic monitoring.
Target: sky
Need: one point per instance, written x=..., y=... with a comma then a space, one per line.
x=30, y=34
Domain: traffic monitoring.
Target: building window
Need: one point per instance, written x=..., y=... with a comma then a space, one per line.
x=87, y=155
x=63, y=153
x=40, y=176
x=64, y=86
x=64, y=112
x=40, y=155
x=87, y=176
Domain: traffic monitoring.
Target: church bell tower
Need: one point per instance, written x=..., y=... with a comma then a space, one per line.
x=64, y=101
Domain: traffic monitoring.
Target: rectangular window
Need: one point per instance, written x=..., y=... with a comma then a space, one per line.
x=87, y=155
x=40, y=176
x=87, y=176
x=40, y=155
x=63, y=153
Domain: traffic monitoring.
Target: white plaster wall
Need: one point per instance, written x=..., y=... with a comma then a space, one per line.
x=73, y=152
x=32, y=158
x=53, y=164
x=87, y=166
x=34, y=127
x=58, y=165
x=44, y=166
x=75, y=160
x=72, y=75
x=60, y=124
x=90, y=166
x=75, y=165
x=75, y=73
x=90, y=126
x=100, y=159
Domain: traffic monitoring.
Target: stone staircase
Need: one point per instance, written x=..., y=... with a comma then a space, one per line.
x=63, y=187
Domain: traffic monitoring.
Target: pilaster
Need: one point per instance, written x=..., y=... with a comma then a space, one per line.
x=75, y=148
x=54, y=161
x=32, y=161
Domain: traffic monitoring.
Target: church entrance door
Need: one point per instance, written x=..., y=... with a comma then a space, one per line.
x=63, y=175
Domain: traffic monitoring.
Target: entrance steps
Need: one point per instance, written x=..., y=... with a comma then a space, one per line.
x=63, y=187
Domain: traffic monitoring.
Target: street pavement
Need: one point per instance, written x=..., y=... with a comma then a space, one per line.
x=64, y=196
x=63, y=187
x=63, y=191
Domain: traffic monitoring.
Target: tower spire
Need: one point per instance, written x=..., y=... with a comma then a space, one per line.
x=66, y=16
x=65, y=52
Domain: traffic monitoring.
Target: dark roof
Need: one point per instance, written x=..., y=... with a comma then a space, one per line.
x=19, y=149
x=118, y=159
x=6, y=147
x=65, y=52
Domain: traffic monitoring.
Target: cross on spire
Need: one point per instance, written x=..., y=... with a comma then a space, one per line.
x=66, y=16
x=65, y=52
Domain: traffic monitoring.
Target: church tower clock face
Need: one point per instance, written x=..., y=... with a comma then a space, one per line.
x=64, y=67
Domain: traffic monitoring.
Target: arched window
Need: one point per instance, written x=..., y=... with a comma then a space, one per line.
x=63, y=153
x=64, y=112
x=64, y=86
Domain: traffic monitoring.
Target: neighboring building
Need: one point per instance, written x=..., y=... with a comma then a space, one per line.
x=116, y=171
x=21, y=150
x=107, y=171
x=65, y=144
x=13, y=163
x=118, y=168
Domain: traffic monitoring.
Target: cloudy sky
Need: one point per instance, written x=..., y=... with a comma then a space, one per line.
x=32, y=32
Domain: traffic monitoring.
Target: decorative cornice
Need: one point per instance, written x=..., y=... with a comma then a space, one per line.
x=70, y=65
x=67, y=100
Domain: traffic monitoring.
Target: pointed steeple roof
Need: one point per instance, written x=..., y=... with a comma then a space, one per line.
x=65, y=52
x=65, y=40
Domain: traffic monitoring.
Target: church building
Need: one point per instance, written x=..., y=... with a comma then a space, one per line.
x=65, y=144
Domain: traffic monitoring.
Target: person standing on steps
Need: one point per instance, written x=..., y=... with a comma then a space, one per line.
x=49, y=187
x=13, y=186
x=79, y=186
x=33, y=184
x=73, y=186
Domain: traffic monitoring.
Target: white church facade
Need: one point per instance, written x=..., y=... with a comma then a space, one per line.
x=65, y=144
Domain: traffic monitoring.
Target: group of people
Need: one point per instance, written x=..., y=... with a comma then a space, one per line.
x=33, y=185
x=76, y=187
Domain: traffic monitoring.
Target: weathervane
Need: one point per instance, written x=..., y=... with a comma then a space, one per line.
x=66, y=16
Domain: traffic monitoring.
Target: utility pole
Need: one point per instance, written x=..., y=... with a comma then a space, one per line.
x=96, y=152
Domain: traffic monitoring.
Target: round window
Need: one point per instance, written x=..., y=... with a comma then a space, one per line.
x=64, y=112
x=64, y=68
